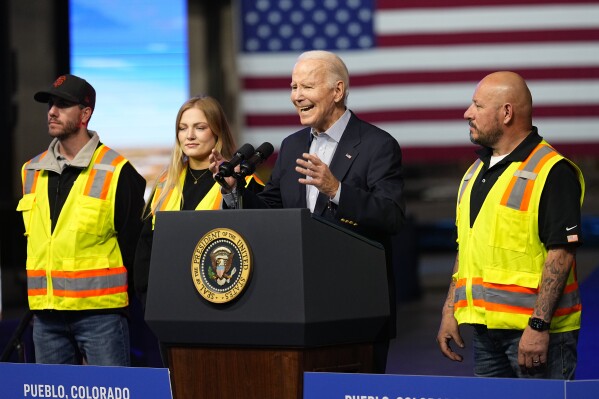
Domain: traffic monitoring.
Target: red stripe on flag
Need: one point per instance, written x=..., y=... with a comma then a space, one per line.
x=426, y=114
x=446, y=38
x=407, y=4
x=453, y=153
x=412, y=77
x=419, y=154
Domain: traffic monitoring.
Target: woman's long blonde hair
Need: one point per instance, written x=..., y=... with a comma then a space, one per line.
x=225, y=144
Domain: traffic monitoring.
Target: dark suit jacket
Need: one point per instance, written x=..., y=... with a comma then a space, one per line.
x=367, y=162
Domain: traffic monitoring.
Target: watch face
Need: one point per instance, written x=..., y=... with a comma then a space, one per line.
x=538, y=324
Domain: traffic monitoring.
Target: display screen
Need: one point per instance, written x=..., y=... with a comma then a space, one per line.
x=135, y=54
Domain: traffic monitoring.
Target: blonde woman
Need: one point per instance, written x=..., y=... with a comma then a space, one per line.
x=187, y=183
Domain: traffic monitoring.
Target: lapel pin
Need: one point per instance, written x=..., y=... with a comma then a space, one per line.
x=348, y=156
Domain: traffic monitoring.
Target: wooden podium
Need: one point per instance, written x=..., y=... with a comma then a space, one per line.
x=316, y=300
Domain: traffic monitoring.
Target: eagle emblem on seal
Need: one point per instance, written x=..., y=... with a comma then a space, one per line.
x=221, y=265
x=222, y=261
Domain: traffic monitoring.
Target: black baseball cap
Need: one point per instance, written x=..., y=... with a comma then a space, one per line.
x=71, y=88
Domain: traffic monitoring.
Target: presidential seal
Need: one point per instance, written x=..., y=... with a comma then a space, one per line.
x=221, y=265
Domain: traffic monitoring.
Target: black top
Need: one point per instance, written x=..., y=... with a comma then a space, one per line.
x=559, y=209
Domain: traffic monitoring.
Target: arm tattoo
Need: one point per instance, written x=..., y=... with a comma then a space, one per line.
x=557, y=267
x=451, y=292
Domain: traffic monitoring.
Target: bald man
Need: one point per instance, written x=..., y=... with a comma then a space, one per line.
x=518, y=227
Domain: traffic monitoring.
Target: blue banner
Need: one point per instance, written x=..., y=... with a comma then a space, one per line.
x=385, y=386
x=26, y=381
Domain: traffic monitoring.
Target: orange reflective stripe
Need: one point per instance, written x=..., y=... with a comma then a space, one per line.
x=530, y=183
x=90, y=182
x=511, y=288
x=571, y=287
x=36, y=273
x=462, y=282
x=92, y=173
x=461, y=304
x=36, y=176
x=507, y=308
x=103, y=172
x=106, y=185
x=89, y=283
x=37, y=291
x=544, y=160
x=165, y=200
x=89, y=273
x=479, y=302
x=31, y=177
x=568, y=311
x=519, y=190
x=90, y=293
x=109, y=175
x=217, y=203
x=526, y=195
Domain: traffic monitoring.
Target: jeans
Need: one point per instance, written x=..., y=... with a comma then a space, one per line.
x=496, y=355
x=69, y=337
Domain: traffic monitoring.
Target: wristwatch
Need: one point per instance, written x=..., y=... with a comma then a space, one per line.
x=538, y=324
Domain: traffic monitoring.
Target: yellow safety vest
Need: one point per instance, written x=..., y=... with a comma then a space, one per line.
x=79, y=265
x=172, y=201
x=501, y=257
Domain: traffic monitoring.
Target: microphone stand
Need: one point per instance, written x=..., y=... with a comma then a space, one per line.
x=15, y=341
x=240, y=189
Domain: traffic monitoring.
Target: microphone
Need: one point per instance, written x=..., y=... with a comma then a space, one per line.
x=262, y=153
x=227, y=168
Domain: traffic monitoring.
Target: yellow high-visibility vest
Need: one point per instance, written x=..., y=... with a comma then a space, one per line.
x=501, y=257
x=78, y=266
x=172, y=201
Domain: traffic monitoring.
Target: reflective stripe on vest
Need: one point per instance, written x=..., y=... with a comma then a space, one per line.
x=512, y=298
x=161, y=206
x=37, y=282
x=89, y=283
x=468, y=177
x=78, y=284
x=517, y=195
x=31, y=175
x=101, y=174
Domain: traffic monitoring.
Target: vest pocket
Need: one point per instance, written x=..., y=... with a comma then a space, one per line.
x=25, y=206
x=510, y=230
x=511, y=277
x=92, y=216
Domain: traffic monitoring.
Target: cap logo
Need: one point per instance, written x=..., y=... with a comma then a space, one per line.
x=60, y=81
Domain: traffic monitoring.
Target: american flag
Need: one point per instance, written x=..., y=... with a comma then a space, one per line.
x=414, y=65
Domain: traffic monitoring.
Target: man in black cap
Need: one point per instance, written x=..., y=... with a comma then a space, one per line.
x=81, y=206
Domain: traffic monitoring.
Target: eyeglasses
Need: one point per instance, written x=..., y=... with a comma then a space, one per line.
x=61, y=103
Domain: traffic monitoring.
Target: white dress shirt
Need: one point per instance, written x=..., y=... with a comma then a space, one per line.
x=324, y=145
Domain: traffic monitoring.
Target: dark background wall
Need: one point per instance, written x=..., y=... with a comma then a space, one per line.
x=34, y=49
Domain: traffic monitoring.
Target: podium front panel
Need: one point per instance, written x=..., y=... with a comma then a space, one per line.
x=311, y=284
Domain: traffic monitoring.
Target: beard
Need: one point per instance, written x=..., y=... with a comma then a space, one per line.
x=69, y=128
x=486, y=139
